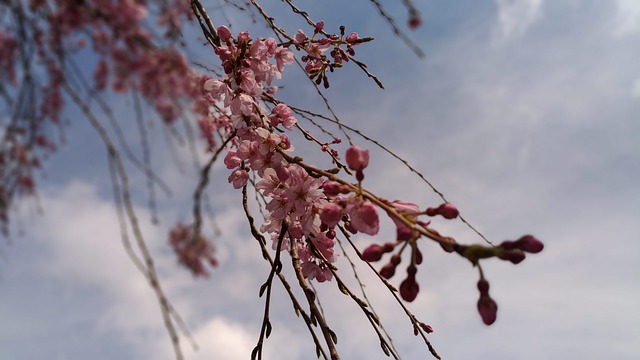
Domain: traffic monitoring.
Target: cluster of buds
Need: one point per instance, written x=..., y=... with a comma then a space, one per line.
x=512, y=251
x=317, y=62
x=408, y=287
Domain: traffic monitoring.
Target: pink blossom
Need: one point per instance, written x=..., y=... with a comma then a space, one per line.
x=191, y=251
x=316, y=49
x=283, y=115
x=269, y=183
x=311, y=271
x=300, y=37
x=283, y=57
x=357, y=158
x=232, y=161
x=219, y=90
x=242, y=104
x=364, y=216
x=238, y=178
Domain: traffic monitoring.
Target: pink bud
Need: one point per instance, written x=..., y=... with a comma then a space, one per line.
x=488, y=309
x=331, y=188
x=331, y=214
x=319, y=26
x=372, y=253
x=224, y=33
x=447, y=210
x=351, y=38
x=529, y=244
x=357, y=158
x=409, y=289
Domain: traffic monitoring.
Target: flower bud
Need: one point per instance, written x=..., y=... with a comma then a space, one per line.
x=331, y=188
x=224, y=33
x=403, y=233
x=388, y=247
x=448, y=245
x=372, y=253
x=409, y=289
x=447, y=210
x=427, y=328
x=488, y=309
x=388, y=271
x=357, y=158
x=529, y=244
x=515, y=256
x=331, y=214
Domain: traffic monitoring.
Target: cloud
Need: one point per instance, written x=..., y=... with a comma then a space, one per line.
x=628, y=17
x=515, y=17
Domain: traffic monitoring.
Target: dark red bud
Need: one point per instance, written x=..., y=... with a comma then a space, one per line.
x=372, y=253
x=446, y=210
x=395, y=260
x=529, y=244
x=448, y=246
x=403, y=233
x=409, y=289
x=515, y=256
x=388, y=247
x=508, y=245
x=488, y=309
x=427, y=328
x=388, y=271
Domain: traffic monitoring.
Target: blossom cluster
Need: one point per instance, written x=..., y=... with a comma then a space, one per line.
x=130, y=57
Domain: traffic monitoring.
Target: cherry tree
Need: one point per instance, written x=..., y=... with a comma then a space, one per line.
x=309, y=212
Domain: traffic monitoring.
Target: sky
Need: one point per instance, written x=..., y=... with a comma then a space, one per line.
x=525, y=114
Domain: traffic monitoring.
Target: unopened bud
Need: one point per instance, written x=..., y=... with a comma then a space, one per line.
x=357, y=158
x=446, y=210
x=388, y=271
x=488, y=309
x=372, y=253
x=409, y=289
x=529, y=244
x=515, y=256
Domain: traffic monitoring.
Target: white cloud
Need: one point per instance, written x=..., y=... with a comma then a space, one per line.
x=515, y=17
x=628, y=17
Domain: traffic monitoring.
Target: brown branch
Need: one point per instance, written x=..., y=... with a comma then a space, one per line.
x=151, y=274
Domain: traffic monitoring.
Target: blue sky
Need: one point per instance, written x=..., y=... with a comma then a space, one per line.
x=524, y=113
